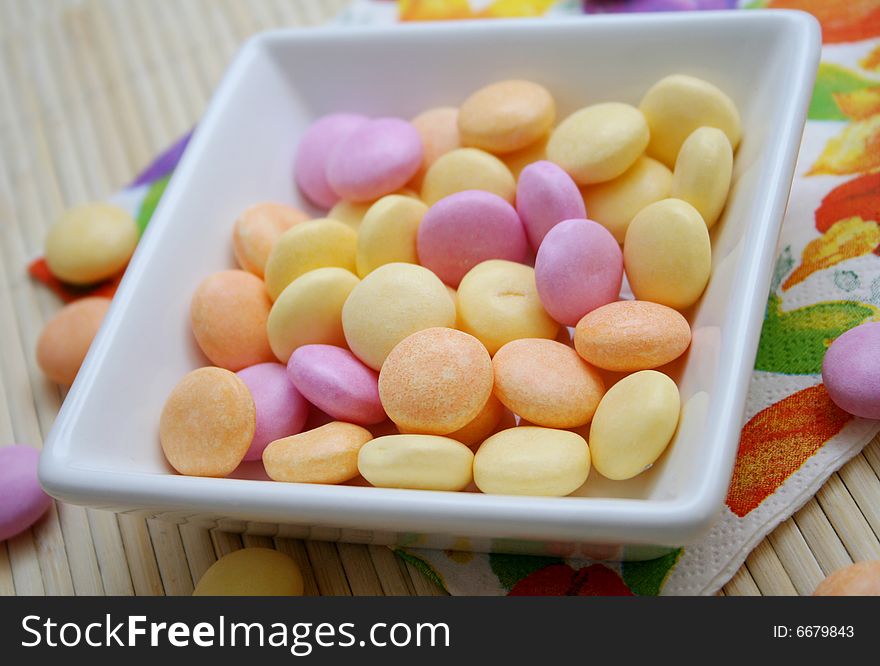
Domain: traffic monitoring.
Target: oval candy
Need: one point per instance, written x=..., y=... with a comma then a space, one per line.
x=67, y=336
x=312, y=155
x=251, y=572
x=851, y=371
x=467, y=169
x=327, y=454
x=545, y=196
x=702, y=172
x=388, y=233
x=257, y=229
x=418, y=462
x=22, y=499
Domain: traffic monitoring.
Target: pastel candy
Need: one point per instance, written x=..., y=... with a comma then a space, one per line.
x=626, y=336
x=228, y=315
x=520, y=159
x=67, y=336
x=861, y=579
x=257, y=572
x=309, y=311
x=315, y=146
x=467, y=169
x=498, y=302
x=22, y=500
x=667, y=254
x=352, y=212
x=337, y=383
x=388, y=233
x=90, y=243
x=280, y=409
x=307, y=246
x=256, y=231
x=851, y=371
x=436, y=381
x=392, y=302
x=614, y=203
x=545, y=196
x=702, y=172
x=546, y=383
x=677, y=105
x=491, y=418
x=327, y=454
x=378, y=157
x=467, y=228
x=438, y=129
x=208, y=423
x=578, y=268
x=599, y=142
x=419, y=462
x=506, y=116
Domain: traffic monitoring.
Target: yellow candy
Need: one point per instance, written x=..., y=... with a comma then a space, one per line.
x=634, y=424
x=547, y=383
x=702, y=172
x=599, y=142
x=392, y=302
x=677, y=105
x=435, y=381
x=520, y=159
x=506, y=116
x=388, y=233
x=90, y=243
x=309, y=311
x=352, y=212
x=439, y=131
x=258, y=572
x=307, y=246
x=532, y=461
x=256, y=231
x=420, y=462
x=328, y=454
x=467, y=169
x=667, y=254
x=498, y=302
x=613, y=204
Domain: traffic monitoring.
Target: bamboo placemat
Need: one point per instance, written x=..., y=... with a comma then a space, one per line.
x=90, y=91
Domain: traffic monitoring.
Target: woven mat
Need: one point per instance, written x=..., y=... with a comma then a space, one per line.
x=90, y=91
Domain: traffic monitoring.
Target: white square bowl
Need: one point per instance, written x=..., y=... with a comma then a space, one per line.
x=104, y=451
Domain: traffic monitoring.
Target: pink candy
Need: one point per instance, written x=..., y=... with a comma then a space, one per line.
x=22, y=500
x=336, y=382
x=579, y=267
x=545, y=196
x=281, y=410
x=377, y=158
x=851, y=371
x=314, y=149
x=465, y=229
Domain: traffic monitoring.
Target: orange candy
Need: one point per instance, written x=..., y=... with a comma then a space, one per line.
x=256, y=231
x=439, y=131
x=861, y=579
x=66, y=338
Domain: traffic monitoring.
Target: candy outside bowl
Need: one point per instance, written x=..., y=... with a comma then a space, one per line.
x=104, y=450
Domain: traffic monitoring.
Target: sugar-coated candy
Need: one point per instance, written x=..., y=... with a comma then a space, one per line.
x=861, y=579
x=22, y=500
x=851, y=370
x=327, y=454
x=388, y=233
x=256, y=230
x=438, y=128
x=251, y=572
x=67, y=336
x=545, y=196
x=420, y=462
x=315, y=147
x=467, y=169
x=702, y=172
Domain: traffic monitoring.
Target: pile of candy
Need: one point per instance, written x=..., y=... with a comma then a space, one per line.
x=433, y=301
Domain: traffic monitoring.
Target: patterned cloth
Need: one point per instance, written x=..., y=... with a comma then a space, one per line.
x=827, y=280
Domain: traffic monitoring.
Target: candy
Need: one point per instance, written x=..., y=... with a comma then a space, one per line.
x=492, y=417
x=280, y=409
x=466, y=228
x=677, y=105
x=256, y=231
x=420, y=462
x=546, y=383
x=520, y=159
x=702, y=172
x=545, y=196
x=633, y=424
x=438, y=129
x=532, y=461
x=337, y=383
x=851, y=371
x=631, y=335
x=578, y=268
x=667, y=254
x=599, y=142
x=22, y=500
x=228, y=315
x=506, y=116
x=307, y=246
x=614, y=203
x=328, y=454
x=315, y=147
x=309, y=311
x=257, y=572
x=90, y=243
x=388, y=233
x=389, y=304
x=861, y=579
x=435, y=381
x=352, y=212
x=208, y=423
x=467, y=169
x=66, y=338
x=498, y=302
x=375, y=159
